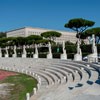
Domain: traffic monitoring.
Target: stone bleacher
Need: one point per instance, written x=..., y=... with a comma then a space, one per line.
x=58, y=79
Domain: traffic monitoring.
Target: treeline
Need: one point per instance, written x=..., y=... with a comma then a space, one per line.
x=2, y=34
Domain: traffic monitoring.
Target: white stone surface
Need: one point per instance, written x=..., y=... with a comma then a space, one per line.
x=64, y=56
x=77, y=57
x=51, y=71
x=49, y=56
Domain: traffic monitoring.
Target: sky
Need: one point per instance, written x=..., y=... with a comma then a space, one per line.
x=49, y=14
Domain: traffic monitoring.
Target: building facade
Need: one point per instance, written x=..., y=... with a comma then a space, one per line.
x=27, y=31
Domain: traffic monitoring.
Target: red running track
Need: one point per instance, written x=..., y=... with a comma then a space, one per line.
x=5, y=74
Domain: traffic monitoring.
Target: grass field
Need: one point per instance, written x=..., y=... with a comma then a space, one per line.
x=22, y=85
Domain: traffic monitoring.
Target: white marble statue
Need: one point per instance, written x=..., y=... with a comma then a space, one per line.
x=64, y=51
x=24, y=51
x=94, y=56
x=15, y=49
x=78, y=55
x=49, y=45
x=7, y=50
x=94, y=48
x=49, y=55
x=64, y=55
x=78, y=48
x=14, y=55
x=36, y=50
x=6, y=55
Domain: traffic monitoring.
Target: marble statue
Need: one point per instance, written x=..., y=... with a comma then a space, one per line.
x=24, y=52
x=64, y=55
x=49, y=55
x=94, y=48
x=49, y=45
x=94, y=56
x=36, y=52
x=78, y=55
x=6, y=55
x=14, y=55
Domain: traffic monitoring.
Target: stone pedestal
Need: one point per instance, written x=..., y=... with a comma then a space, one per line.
x=92, y=58
x=0, y=54
x=14, y=55
x=35, y=55
x=23, y=55
x=63, y=56
x=6, y=55
x=78, y=57
x=49, y=56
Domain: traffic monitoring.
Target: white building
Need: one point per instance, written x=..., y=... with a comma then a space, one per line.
x=26, y=31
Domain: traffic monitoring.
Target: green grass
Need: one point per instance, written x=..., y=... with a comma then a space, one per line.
x=23, y=84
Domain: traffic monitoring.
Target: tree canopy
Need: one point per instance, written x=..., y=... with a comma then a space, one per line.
x=20, y=41
x=91, y=31
x=81, y=36
x=33, y=39
x=79, y=25
x=51, y=35
x=95, y=31
x=2, y=34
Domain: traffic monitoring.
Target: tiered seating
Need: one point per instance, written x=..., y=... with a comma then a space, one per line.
x=59, y=79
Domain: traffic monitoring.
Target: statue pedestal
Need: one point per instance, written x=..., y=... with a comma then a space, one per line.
x=23, y=55
x=77, y=57
x=6, y=55
x=93, y=58
x=49, y=56
x=35, y=55
x=14, y=55
x=63, y=56
x=0, y=55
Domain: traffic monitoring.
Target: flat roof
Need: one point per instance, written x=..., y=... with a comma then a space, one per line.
x=38, y=28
